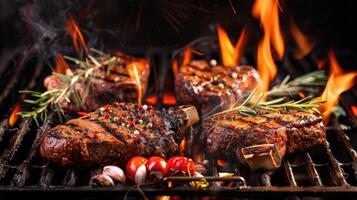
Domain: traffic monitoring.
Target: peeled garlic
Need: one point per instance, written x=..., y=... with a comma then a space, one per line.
x=116, y=173
x=103, y=180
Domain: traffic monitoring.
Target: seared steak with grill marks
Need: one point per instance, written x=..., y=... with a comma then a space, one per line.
x=106, y=88
x=115, y=133
x=261, y=141
x=213, y=88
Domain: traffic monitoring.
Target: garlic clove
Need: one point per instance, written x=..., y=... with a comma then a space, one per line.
x=103, y=180
x=116, y=173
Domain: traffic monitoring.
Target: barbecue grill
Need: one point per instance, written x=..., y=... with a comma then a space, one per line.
x=324, y=171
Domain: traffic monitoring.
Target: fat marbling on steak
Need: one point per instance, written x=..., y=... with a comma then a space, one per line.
x=261, y=141
x=115, y=133
x=109, y=83
x=213, y=88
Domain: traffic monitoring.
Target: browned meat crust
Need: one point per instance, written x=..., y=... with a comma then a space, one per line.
x=213, y=88
x=115, y=133
x=261, y=141
x=106, y=88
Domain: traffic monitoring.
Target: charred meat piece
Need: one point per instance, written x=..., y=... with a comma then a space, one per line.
x=260, y=141
x=213, y=88
x=115, y=133
x=109, y=83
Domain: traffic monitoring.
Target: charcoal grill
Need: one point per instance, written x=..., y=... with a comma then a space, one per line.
x=324, y=171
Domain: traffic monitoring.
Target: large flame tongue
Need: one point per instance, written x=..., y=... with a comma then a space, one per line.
x=231, y=54
x=267, y=12
x=338, y=82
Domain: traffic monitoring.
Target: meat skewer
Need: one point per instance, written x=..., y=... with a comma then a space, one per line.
x=213, y=88
x=261, y=141
x=115, y=133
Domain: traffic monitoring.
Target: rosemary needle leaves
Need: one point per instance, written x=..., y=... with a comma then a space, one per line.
x=66, y=92
x=299, y=84
x=251, y=108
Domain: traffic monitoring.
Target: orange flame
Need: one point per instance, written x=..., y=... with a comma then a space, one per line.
x=304, y=44
x=267, y=12
x=266, y=66
x=354, y=110
x=175, y=67
x=151, y=100
x=76, y=34
x=13, y=117
x=61, y=64
x=338, y=82
x=169, y=99
x=231, y=54
x=134, y=75
x=187, y=56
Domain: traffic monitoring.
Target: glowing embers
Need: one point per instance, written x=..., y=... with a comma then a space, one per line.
x=268, y=13
x=338, y=82
x=13, y=116
x=152, y=100
x=231, y=54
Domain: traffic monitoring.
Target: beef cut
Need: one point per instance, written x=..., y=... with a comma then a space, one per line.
x=260, y=141
x=213, y=88
x=110, y=83
x=115, y=133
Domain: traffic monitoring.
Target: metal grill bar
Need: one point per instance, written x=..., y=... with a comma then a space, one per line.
x=289, y=173
x=15, y=142
x=311, y=170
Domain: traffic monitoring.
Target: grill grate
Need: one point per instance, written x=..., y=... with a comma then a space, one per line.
x=324, y=171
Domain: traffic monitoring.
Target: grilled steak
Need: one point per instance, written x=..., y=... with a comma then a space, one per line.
x=115, y=133
x=260, y=141
x=213, y=88
x=106, y=88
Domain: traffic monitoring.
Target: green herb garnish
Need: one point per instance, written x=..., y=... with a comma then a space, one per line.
x=54, y=98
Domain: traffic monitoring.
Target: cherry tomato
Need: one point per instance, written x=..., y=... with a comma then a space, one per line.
x=157, y=167
x=133, y=165
x=179, y=165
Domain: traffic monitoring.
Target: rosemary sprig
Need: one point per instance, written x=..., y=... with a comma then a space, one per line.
x=66, y=92
x=250, y=108
x=302, y=83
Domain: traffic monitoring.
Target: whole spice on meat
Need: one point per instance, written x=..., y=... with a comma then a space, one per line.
x=93, y=139
x=212, y=87
x=260, y=134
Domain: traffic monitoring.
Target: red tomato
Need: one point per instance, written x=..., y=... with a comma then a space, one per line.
x=157, y=167
x=133, y=165
x=179, y=165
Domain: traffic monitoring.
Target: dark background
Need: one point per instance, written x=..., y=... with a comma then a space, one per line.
x=131, y=24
